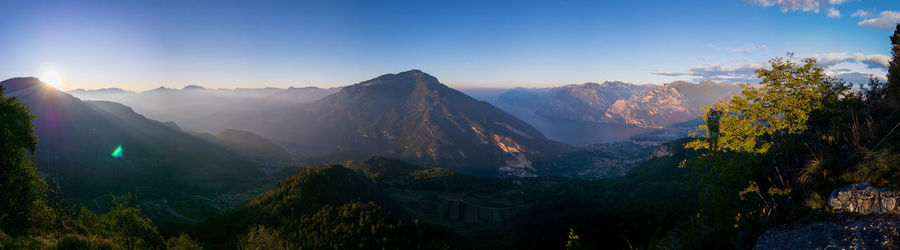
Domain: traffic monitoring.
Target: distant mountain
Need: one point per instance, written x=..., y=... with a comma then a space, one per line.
x=193, y=87
x=100, y=91
x=645, y=106
x=584, y=102
x=412, y=116
x=196, y=108
x=578, y=102
x=669, y=104
x=157, y=161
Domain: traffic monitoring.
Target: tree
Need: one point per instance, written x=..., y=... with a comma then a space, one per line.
x=124, y=225
x=893, y=75
x=574, y=241
x=763, y=115
x=22, y=189
x=136, y=231
x=262, y=237
x=750, y=143
x=182, y=242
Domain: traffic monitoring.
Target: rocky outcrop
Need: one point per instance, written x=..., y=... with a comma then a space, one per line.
x=862, y=198
x=868, y=233
x=869, y=218
x=660, y=151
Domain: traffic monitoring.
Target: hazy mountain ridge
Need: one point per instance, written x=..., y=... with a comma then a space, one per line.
x=648, y=106
x=157, y=161
x=576, y=102
x=412, y=116
x=205, y=110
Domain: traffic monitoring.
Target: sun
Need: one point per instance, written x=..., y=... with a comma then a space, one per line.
x=52, y=78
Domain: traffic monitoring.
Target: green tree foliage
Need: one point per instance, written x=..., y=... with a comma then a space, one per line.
x=893, y=75
x=124, y=225
x=260, y=237
x=762, y=115
x=358, y=226
x=22, y=190
x=751, y=143
x=182, y=242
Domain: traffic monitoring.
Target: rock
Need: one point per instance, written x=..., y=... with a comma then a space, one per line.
x=660, y=151
x=862, y=198
x=871, y=232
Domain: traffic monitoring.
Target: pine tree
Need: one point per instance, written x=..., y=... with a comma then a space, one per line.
x=893, y=76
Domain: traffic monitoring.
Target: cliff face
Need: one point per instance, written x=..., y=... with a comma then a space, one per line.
x=587, y=102
x=669, y=104
x=657, y=108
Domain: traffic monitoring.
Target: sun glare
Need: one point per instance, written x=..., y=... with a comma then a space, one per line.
x=52, y=78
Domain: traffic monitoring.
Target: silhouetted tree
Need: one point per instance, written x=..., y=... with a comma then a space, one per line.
x=22, y=189
x=893, y=75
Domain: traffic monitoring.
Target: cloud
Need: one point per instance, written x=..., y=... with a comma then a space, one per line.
x=885, y=20
x=834, y=13
x=669, y=73
x=858, y=78
x=800, y=5
x=873, y=61
x=717, y=72
x=745, y=73
x=841, y=70
x=861, y=13
x=739, y=50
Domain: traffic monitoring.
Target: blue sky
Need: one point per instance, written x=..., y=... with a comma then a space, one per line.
x=143, y=45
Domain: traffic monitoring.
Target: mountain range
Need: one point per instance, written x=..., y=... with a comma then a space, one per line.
x=669, y=104
x=577, y=102
x=200, y=109
x=645, y=106
x=411, y=116
x=99, y=149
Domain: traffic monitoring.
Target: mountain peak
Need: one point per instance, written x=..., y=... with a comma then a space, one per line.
x=413, y=73
x=20, y=83
x=161, y=88
x=193, y=87
x=403, y=79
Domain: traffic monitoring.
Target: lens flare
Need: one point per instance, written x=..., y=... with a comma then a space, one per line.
x=118, y=152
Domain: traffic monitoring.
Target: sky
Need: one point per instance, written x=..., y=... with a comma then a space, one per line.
x=141, y=45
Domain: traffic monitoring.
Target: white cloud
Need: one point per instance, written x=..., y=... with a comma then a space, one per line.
x=858, y=77
x=717, y=72
x=745, y=73
x=885, y=20
x=860, y=13
x=834, y=13
x=800, y=5
x=839, y=2
x=873, y=61
x=747, y=50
